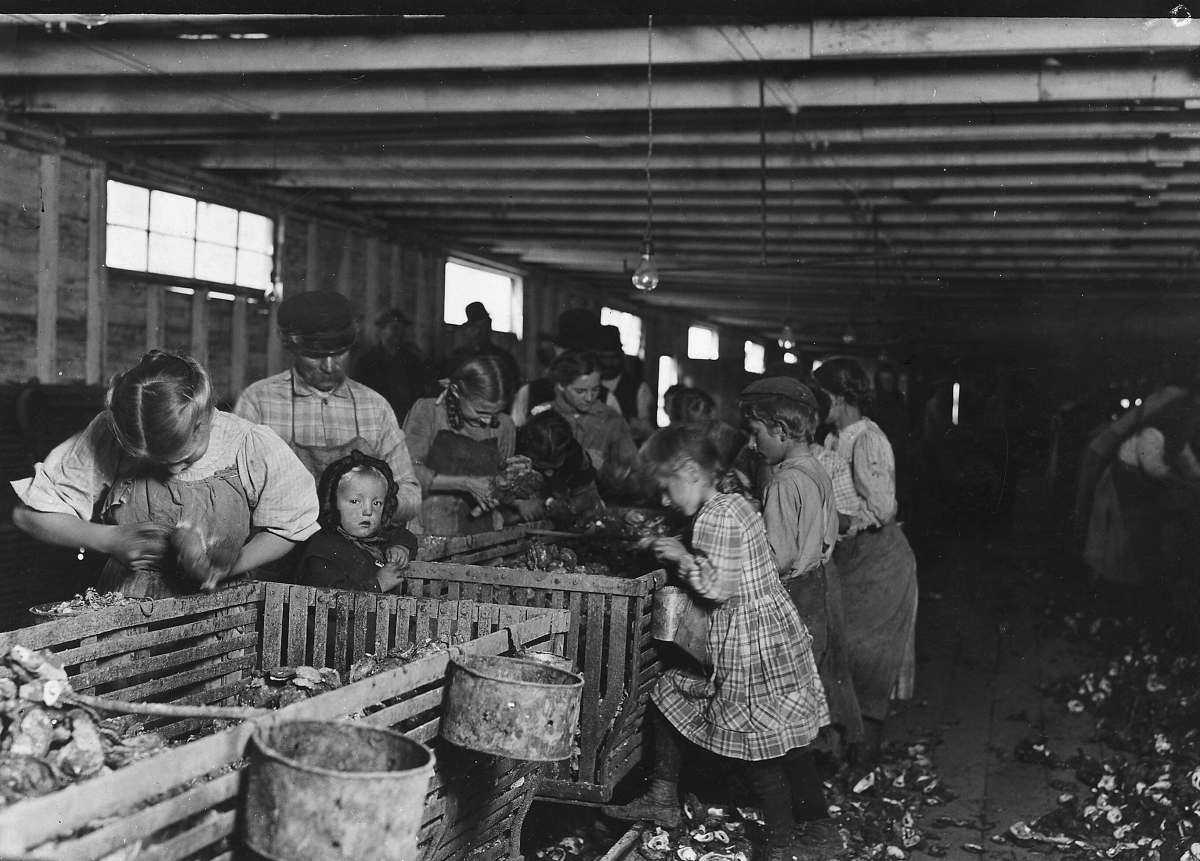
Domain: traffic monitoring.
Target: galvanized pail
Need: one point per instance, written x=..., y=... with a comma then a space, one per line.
x=320, y=791
x=512, y=707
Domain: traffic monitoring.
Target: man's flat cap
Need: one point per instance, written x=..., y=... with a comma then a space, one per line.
x=319, y=322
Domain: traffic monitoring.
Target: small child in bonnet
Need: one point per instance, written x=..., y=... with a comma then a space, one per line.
x=357, y=548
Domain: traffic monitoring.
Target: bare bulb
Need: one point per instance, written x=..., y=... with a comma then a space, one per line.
x=645, y=277
x=787, y=338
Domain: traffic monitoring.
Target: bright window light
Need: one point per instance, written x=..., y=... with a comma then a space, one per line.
x=172, y=234
x=790, y=359
x=954, y=408
x=668, y=375
x=630, y=326
x=499, y=292
x=1138, y=402
x=817, y=363
x=756, y=358
x=1124, y=403
x=703, y=343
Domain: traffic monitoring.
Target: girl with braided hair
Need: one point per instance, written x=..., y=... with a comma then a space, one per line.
x=179, y=495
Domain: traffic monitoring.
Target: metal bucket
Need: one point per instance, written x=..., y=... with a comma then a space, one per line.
x=512, y=707
x=321, y=791
x=670, y=604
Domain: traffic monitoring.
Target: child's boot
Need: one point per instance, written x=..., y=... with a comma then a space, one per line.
x=659, y=805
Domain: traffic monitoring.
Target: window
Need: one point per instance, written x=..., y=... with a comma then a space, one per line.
x=668, y=375
x=499, y=292
x=170, y=234
x=790, y=359
x=631, y=330
x=703, y=343
x=756, y=358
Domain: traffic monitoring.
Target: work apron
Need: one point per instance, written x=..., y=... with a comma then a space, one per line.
x=451, y=513
x=219, y=502
x=878, y=574
x=316, y=459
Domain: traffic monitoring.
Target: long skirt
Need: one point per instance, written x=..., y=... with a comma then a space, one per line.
x=878, y=574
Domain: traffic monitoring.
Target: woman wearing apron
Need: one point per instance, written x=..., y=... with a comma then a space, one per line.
x=159, y=456
x=875, y=563
x=458, y=442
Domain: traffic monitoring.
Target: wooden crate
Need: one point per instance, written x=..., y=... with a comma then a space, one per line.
x=609, y=640
x=475, y=549
x=184, y=803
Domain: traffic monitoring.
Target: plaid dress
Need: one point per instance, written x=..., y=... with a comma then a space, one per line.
x=763, y=696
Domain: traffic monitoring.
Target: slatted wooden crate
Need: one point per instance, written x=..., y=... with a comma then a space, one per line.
x=475, y=549
x=184, y=803
x=608, y=639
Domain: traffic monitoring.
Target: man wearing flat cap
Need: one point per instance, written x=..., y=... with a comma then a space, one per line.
x=476, y=340
x=320, y=413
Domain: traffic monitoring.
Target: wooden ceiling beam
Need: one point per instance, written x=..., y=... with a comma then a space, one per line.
x=946, y=131
x=599, y=160
x=471, y=184
x=826, y=40
x=1160, y=80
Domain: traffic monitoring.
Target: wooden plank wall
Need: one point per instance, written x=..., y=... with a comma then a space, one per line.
x=64, y=318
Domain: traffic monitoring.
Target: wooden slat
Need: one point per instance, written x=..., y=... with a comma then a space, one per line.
x=590, y=725
x=92, y=648
x=323, y=603
x=272, y=649
x=383, y=618
x=344, y=604
x=154, y=688
x=213, y=828
x=158, y=664
x=113, y=836
x=523, y=578
x=239, y=343
x=46, y=359
x=97, y=275
x=298, y=599
x=364, y=604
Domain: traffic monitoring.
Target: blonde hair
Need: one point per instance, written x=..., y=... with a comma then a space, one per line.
x=155, y=407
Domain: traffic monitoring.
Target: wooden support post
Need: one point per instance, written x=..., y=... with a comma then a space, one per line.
x=425, y=318
x=46, y=359
x=155, y=296
x=344, y=264
x=396, y=279
x=371, y=299
x=275, y=357
x=97, y=274
x=200, y=326
x=311, y=259
x=239, y=348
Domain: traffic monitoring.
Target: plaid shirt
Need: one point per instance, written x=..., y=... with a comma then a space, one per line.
x=873, y=469
x=315, y=418
x=844, y=498
x=763, y=696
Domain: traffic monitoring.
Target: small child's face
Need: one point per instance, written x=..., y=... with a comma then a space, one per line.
x=767, y=442
x=360, y=499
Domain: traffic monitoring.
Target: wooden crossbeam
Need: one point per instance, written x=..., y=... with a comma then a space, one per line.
x=823, y=40
x=747, y=160
x=1165, y=79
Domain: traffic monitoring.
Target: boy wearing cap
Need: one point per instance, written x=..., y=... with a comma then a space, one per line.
x=319, y=413
x=802, y=527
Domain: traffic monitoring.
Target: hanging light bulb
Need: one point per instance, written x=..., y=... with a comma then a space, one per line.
x=787, y=338
x=645, y=277
x=848, y=337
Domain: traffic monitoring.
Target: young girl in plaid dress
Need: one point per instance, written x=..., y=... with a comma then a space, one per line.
x=760, y=695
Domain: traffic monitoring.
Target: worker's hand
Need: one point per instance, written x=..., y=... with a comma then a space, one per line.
x=671, y=550
x=389, y=577
x=397, y=556
x=139, y=546
x=479, y=488
x=530, y=509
